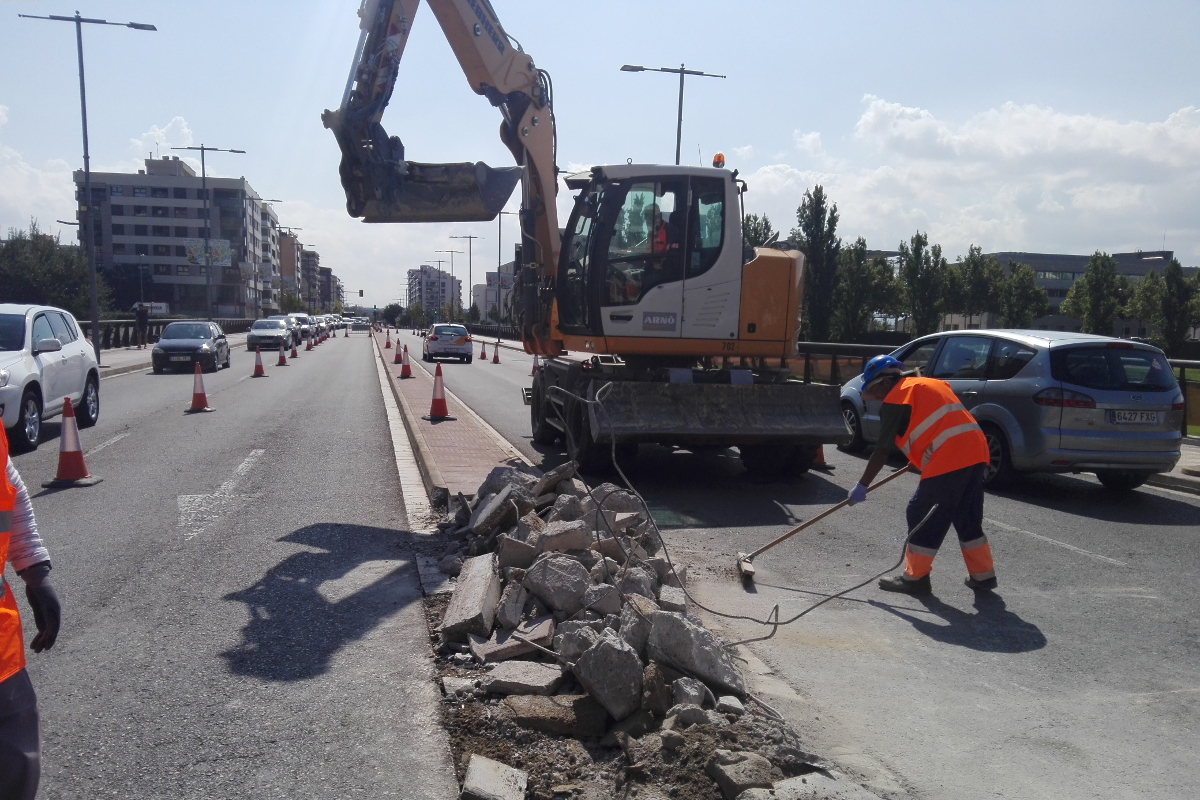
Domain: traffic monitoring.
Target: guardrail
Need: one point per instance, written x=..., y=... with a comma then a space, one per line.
x=509, y=332
x=1191, y=391
x=123, y=332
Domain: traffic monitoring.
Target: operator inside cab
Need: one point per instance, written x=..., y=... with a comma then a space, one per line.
x=666, y=262
x=924, y=419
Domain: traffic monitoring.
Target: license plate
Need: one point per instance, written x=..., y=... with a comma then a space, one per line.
x=181, y=358
x=1134, y=417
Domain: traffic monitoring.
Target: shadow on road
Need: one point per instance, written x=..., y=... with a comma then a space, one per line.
x=310, y=605
x=991, y=629
x=1091, y=500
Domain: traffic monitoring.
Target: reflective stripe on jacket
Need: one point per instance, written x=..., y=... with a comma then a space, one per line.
x=12, y=648
x=942, y=435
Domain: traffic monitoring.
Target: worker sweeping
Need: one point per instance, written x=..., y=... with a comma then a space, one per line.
x=924, y=419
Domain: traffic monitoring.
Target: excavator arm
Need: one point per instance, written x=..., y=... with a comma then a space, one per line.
x=382, y=186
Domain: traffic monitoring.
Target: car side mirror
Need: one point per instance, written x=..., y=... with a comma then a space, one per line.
x=47, y=346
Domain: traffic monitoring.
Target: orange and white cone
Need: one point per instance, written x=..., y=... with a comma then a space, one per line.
x=388, y=345
x=282, y=362
x=536, y=364
x=438, y=409
x=405, y=369
x=819, y=461
x=482, y=350
x=294, y=353
x=258, y=367
x=199, y=398
x=307, y=343
x=496, y=353
x=399, y=359
x=71, y=469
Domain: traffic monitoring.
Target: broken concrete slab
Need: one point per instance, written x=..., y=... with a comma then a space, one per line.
x=617, y=523
x=566, y=507
x=636, y=621
x=511, y=606
x=481, y=502
x=636, y=580
x=488, y=517
x=563, y=472
x=524, y=677
x=451, y=564
x=528, y=528
x=656, y=694
x=605, y=571
x=472, y=608
x=559, y=581
x=504, y=645
x=636, y=725
x=735, y=772
x=613, y=498
x=458, y=686
x=683, y=716
x=576, y=642
x=433, y=580
x=728, y=704
x=603, y=599
x=514, y=553
x=611, y=672
x=491, y=780
x=811, y=786
x=672, y=599
x=612, y=550
x=561, y=715
x=676, y=578
x=685, y=645
x=500, y=477
x=690, y=691
x=562, y=535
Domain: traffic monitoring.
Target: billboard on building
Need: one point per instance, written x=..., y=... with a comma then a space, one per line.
x=493, y=280
x=506, y=281
x=218, y=248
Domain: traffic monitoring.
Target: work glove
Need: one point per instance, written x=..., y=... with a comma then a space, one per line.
x=858, y=494
x=47, y=612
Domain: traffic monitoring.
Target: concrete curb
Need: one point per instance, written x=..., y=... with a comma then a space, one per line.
x=1180, y=483
x=113, y=372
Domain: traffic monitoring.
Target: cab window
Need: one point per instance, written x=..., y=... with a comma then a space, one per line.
x=1009, y=358
x=61, y=331
x=707, y=225
x=42, y=329
x=963, y=358
x=645, y=248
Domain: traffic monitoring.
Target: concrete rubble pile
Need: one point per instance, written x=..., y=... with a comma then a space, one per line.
x=566, y=619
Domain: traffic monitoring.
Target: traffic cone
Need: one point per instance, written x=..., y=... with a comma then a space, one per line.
x=405, y=369
x=399, y=359
x=437, y=409
x=496, y=353
x=294, y=353
x=199, y=398
x=482, y=350
x=282, y=357
x=388, y=344
x=258, y=367
x=307, y=343
x=71, y=469
x=536, y=364
x=819, y=461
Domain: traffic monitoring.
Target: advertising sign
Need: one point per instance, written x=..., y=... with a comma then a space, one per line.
x=218, y=248
x=506, y=281
x=493, y=279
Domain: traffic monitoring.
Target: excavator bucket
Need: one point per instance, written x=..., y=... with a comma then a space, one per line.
x=442, y=193
x=719, y=414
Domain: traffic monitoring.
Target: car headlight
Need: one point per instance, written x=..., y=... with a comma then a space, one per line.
x=3, y=378
x=204, y=348
x=158, y=350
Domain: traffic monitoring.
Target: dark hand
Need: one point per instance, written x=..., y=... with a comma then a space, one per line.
x=47, y=611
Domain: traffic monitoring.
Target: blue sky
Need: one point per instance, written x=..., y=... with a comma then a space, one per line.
x=1050, y=126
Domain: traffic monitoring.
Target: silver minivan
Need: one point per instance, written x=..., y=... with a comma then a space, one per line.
x=1049, y=401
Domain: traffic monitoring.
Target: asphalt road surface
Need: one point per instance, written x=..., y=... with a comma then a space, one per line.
x=1079, y=678
x=241, y=618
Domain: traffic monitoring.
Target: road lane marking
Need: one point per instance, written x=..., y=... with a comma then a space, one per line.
x=1057, y=543
x=197, y=510
x=105, y=444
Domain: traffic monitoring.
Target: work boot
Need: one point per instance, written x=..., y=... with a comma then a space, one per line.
x=985, y=585
x=906, y=585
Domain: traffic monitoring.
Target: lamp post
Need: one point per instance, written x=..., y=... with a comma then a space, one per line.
x=451, y=252
x=88, y=230
x=681, y=72
x=207, y=219
x=470, y=288
x=500, y=255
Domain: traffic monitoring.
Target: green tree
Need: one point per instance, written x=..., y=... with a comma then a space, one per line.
x=391, y=313
x=980, y=284
x=37, y=268
x=473, y=315
x=865, y=287
x=494, y=313
x=1021, y=299
x=816, y=233
x=416, y=315
x=1146, y=299
x=923, y=273
x=1097, y=299
x=1180, y=307
x=757, y=231
x=291, y=304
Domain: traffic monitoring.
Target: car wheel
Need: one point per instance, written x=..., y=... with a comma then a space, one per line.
x=582, y=447
x=469, y=359
x=227, y=364
x=999, y=472
x=89, y=404
x=543, y=431
x=28, y=429
x=157, y=369
x=1122, y=480
x=766, y=460
x=210, y=368
x=854, y=422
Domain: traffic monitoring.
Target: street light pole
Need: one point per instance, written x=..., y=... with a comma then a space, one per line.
x=207, y=218
x=452, y=252
x=681, y=72
x=470, y=288
x=500, y=257
x=88, y=231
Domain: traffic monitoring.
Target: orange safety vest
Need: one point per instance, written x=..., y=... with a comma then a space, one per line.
x=942, y=435
x=12, y=646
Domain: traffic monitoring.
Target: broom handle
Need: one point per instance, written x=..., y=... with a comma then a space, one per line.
x=826, y=513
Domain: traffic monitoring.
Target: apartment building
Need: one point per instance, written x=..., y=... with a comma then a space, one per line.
x=434, y=288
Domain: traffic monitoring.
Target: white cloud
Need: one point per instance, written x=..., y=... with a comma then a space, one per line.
x=1017, y=177
x=744, y=152
x=27, y=192
x=3, y=115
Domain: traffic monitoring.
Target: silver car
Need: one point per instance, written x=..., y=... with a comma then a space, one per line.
x=1049, y=401
x=448, y=340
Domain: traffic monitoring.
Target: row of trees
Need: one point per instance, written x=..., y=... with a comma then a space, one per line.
x=37, y=268
x=846, y=291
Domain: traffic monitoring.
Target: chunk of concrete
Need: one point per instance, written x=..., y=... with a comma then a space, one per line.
x=504, y=645
x=528, y=528
x=524, y=677
x=472, y=607
x=636, y=725
x=656, y=695
x=458, y=686
x=559, y=581
x=574, y=643
x=684, y=716
x=636, y=580
x=514, y=553
x=613, y=498
x=563, y=472
x=617, y=522
x=500, y=477
x=605, y=571
x=612, y=550
x=481, y=502
x=636, y=621
x=690, y=691
x=561, y=715
x=672, y=599
x=810, y=786
x=451, y=564
x=685, y=645
x=490, y=780
x=489, y=517
x=574, y=487
x=603, y=599
x=735, y=772
x=561, y=536
x=511, y=605
x=728, y=704
x=611, y=672
x=676, y=578
x=566, y=508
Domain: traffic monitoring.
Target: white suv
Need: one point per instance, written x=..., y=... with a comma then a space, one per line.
x=44, y=358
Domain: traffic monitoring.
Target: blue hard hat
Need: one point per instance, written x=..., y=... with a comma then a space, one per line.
x=878, y=367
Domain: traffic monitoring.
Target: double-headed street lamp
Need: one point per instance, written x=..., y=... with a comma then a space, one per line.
x=470, y=288
x=88, y=231
x=681, y=72
x=207, y=219
x=451, y=252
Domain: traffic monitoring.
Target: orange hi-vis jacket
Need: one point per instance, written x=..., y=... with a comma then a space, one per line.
x=12, y=646
x=942, y=435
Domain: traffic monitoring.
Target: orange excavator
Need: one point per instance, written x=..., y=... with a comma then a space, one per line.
x=654, y=322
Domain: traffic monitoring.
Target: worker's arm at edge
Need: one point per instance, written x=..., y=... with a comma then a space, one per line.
x=893, y=421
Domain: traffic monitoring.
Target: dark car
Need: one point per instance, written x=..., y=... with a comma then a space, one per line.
x=183, y=344
x=269, y=334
